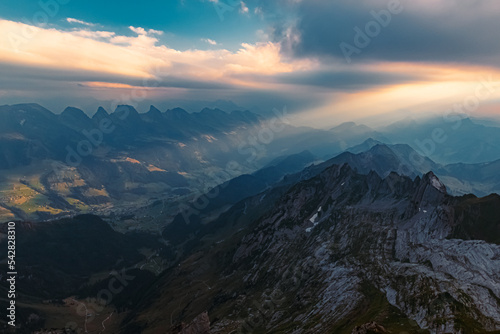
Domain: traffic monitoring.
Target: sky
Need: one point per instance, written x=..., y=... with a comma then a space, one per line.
x=326, y=61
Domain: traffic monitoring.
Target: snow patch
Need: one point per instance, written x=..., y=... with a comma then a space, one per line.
x=313, y=220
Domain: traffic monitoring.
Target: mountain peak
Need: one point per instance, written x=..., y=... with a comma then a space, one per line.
x=124, y=107
x=75, y=118
x=154, y=110
x=381, y=148
x=429, y=189
x=27, y=105
x=371, y=141
x=74, y=112
x=434, y=181
x=101, y=110
x=127, y=116
x=364, y=146
x=100, y=114
x=153, y=115
x=32, y=108
x=176, y=114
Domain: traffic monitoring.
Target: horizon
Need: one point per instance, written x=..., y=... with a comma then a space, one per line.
x=491, y=121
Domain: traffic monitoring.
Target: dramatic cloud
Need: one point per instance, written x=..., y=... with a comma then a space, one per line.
x=433, y=31
x=134, y=56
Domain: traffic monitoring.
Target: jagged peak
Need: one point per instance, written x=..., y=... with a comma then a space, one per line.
x=433, y=180
x=428, y=191
x=100, y=114
x=154, y=110
x=101, y=110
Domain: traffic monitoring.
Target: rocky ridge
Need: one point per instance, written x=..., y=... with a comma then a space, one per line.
x=342, y=249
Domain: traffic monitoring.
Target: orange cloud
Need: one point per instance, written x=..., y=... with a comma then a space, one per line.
x=137, y=56
x=96, y=84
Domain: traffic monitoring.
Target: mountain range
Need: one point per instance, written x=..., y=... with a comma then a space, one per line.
x=58, y=165
x=217, y=222
x=112, y=163
x=336, y=252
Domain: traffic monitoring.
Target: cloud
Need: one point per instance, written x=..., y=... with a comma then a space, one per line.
x=431, y=31
x=94, y=34
x=130, y=59
x=72, y=20
x=144, y=32
x=243, y=8
x=209, y=41
x=72, y=50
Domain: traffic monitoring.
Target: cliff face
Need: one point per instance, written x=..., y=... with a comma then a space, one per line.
x=341, y=250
